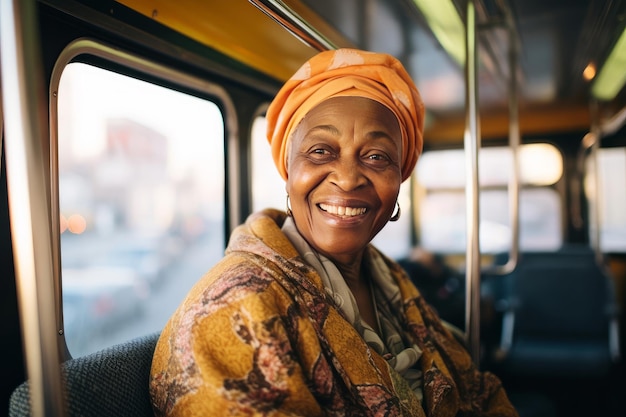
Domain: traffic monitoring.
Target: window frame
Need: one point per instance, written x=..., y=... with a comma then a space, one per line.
x=109, y=58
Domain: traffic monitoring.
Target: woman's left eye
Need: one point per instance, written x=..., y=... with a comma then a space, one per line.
x=377, y=157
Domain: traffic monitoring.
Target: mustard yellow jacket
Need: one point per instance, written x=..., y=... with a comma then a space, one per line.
x=257, y=336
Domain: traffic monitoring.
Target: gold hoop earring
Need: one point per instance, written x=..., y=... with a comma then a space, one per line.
x=396, y=216
x=289, y=212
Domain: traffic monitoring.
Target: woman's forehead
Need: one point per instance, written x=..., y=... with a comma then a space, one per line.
x=355, y=106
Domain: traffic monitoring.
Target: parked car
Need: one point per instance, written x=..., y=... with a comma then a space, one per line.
x=97, y=301
x=145, y=256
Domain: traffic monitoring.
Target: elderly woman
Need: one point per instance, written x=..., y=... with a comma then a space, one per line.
x=303, y=316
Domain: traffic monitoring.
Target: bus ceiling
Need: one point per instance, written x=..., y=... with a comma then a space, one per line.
x=562, y=49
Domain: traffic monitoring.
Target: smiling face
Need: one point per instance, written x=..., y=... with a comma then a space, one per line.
x=344, y=174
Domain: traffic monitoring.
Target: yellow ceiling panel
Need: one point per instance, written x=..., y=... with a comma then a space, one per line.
x=239, y=30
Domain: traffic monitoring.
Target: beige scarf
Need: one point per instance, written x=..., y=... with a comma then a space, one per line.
x=401, y=355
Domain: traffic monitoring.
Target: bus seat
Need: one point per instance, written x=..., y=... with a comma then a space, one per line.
x=111, y=382
x=560, y=316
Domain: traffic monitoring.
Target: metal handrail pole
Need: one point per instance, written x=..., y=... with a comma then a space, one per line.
x=471, y=145
x=597, y=200
x=514, y=146
x=24, y=106
x=294, y=23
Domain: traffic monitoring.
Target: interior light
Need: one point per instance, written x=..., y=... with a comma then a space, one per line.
x=589, y=72
x=540, y=164
x=447, y=26
x=612, y=76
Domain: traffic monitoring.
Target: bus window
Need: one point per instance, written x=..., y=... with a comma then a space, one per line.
x=268, y=190
x=441, y=182
x=141, y=201
x=611, y=197
x=268, y=187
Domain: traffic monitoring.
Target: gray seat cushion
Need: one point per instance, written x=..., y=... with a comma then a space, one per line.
x=111, y=382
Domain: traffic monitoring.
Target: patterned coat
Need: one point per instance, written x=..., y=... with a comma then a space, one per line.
x=257, y=335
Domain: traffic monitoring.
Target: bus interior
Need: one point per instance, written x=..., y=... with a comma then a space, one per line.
x=132, y=138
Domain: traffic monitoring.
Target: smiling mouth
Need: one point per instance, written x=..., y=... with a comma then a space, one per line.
x=342, y=210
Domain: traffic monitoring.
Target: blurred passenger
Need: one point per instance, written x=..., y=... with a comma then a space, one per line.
x=441, y=286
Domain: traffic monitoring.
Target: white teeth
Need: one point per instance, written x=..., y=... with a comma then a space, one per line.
x=343, y=211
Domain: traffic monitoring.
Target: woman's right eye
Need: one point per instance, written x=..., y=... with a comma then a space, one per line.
x=321, y=154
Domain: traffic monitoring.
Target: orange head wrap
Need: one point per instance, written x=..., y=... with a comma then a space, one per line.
x=347, y=72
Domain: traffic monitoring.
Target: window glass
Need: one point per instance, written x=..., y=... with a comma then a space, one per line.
x=611, y=198
x=268, y=190
x=442, y=218
x=442, y=221
x=539, y=164
x=141, y=199
x=268, y=187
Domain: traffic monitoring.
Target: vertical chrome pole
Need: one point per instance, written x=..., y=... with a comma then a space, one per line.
x=514, y=144
x=596, y=203
x=25, y=121
x=472, y=143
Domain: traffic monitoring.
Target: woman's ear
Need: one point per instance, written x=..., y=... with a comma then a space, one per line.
x=287, y=156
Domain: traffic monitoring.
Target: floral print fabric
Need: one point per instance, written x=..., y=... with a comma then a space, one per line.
x=258, y=335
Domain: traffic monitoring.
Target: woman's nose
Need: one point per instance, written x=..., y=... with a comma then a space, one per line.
x=348, y=174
